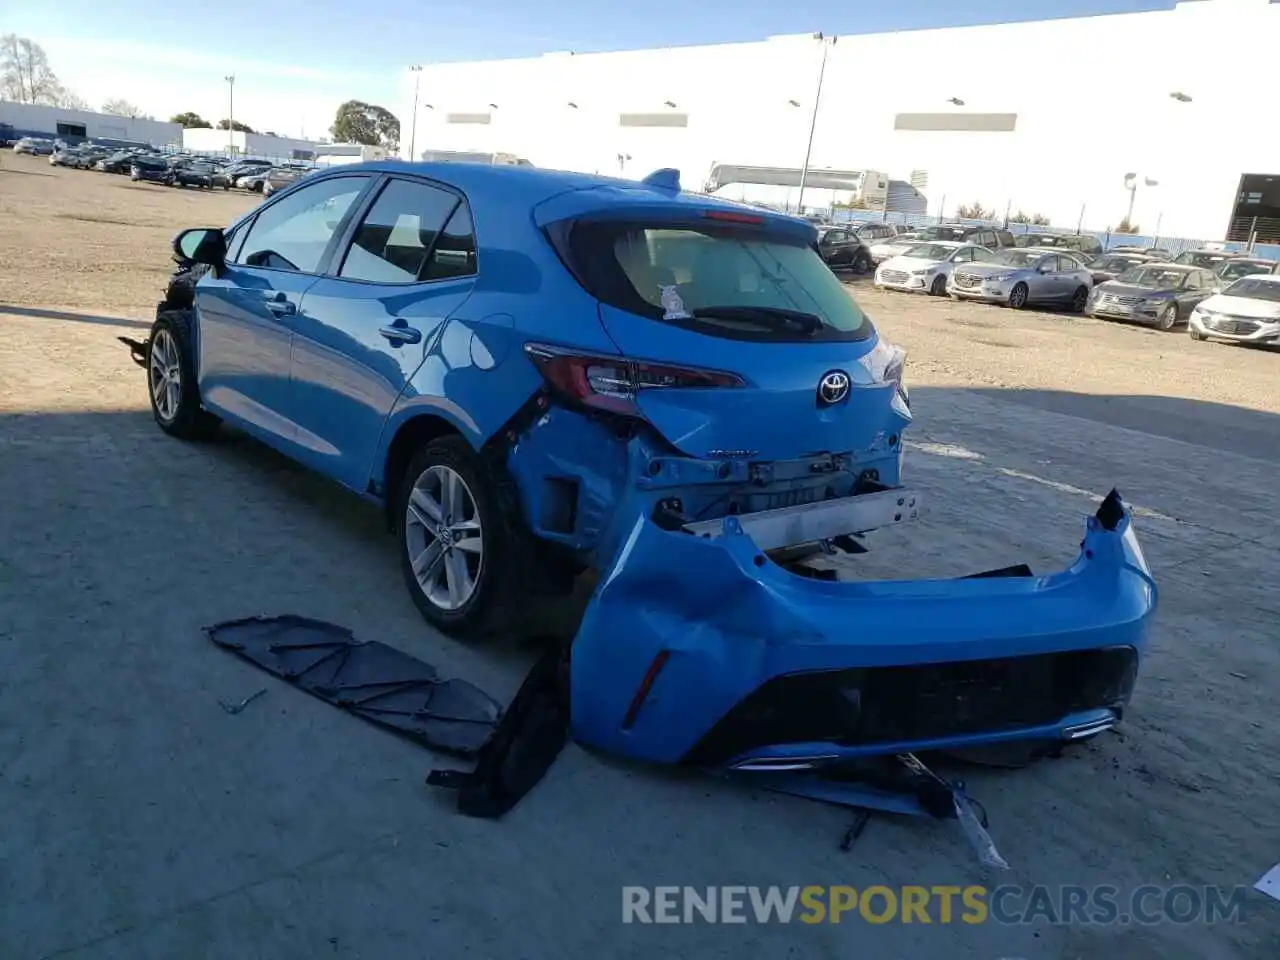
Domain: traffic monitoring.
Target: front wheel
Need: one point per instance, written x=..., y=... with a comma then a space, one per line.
x=1080, y=300
x=1018, y=296
x=171, y=379
x=1168, y=318
x=939, y=286
x=464, y=549
x=1194, y=334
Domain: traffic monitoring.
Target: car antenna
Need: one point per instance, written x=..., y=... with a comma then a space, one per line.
x=668, y=178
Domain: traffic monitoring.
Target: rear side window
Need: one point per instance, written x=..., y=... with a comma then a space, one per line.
x=413, y=232
x=736, y=283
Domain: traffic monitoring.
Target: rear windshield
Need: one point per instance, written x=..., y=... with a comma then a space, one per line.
x=731, y=282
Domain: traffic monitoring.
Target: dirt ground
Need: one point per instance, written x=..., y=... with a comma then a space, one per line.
x=142, y=820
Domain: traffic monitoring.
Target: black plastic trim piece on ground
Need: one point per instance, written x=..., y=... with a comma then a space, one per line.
x=371, y=680
x=533, y=731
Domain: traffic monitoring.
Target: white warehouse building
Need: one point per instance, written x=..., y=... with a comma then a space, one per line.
x=1074, y=119
x=37, y=120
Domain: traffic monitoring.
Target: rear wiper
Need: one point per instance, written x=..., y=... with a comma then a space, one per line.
x=774, y=318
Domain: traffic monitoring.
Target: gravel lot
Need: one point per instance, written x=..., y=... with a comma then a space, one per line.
x=144, y=821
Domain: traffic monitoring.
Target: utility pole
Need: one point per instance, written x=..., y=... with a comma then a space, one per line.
x=413, y=125
x=826, y=42
x=231, y=112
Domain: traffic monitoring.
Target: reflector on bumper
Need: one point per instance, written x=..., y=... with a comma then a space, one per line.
x=764, y=665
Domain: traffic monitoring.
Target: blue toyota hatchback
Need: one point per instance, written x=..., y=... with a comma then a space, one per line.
x=517, y=363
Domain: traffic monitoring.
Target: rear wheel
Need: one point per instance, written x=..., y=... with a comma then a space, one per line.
x=861, y=263
x=171, y=379
x=939, y=286
x=1168, y=318
x=464, y=549
x=1018, y=296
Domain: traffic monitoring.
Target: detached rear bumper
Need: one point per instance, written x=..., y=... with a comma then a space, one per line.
x=704, y=651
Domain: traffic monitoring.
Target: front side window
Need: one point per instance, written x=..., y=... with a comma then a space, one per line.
x=294, y=233
x=716, y=280
x=414, y=232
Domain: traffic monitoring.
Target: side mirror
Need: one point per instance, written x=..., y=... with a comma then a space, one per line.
x=206, y=245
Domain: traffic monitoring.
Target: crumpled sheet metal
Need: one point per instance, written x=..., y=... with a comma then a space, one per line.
x=371, y=680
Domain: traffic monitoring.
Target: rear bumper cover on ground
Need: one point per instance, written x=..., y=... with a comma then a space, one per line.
x=704, y=651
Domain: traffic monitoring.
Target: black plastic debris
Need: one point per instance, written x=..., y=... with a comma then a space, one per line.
x=370, y=679
x=533, y=731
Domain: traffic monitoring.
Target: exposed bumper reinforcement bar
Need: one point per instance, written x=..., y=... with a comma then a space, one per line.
x=811, y=522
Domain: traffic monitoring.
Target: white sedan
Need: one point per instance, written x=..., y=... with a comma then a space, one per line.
x=1248, y=311
x=925, y=266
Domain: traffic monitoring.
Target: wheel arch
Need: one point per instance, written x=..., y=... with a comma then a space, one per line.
x=404, y=435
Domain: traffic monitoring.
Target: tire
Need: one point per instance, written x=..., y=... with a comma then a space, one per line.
x=1168, y=318
x=1018, y=296
x=861, y=264
x=939, y=286
x=171, y=379
x=1193, y=333
x=471, y=593
x=1080, y=300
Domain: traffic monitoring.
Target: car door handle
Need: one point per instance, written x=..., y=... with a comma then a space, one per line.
x=281, y=306
x=401, y=333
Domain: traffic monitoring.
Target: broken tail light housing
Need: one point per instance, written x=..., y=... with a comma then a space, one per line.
x=613, y=383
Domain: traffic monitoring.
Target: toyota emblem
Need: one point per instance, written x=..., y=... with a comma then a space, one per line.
x=833, y=388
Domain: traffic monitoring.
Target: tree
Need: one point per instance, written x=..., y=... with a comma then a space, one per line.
x=1037, y=219
x=367, y=123
x=118, y=107
x=191, y=121
x=70, y=100
x=25, y=74
x=974, y=211
x=225, y=124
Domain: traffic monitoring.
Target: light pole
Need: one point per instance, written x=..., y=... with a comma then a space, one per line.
x=826, y=42
x=1131, y=184
x=231, y=112
x=413, y=126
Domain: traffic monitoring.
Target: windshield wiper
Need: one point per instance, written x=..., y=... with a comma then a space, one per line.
x=775, y=319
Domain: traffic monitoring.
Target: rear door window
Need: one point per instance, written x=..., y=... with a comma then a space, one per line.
x=733, y=282
x=414, y=232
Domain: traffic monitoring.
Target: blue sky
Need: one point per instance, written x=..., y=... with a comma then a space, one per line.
x=296, y=59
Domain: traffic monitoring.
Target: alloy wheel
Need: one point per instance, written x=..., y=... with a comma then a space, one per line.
x=165, y=373
x=444, y=537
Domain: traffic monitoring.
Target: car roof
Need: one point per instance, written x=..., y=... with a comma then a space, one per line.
x=562, y=194
x=1264, y=277
x=1172, y=266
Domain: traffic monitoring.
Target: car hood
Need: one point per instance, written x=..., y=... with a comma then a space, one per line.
x=911, y=263
x=1133, y=290
x=1242, y=307
x=894, y=245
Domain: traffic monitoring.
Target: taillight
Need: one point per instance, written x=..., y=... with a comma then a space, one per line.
x=613, y=383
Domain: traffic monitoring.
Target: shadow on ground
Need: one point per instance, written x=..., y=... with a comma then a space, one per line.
x=42, y=314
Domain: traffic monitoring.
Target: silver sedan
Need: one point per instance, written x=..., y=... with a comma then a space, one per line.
x=1019, y=277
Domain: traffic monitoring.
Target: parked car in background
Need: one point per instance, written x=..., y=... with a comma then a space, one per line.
x=253, y=182
x=63, y=157
x=1108, y=266
x=150, y=169
x=35, y=146
x=894, y=246
x=871, y=232
x=7, y=135
x=993, y=238
x=244, y=168
x=840, y=247
x=118, y=162
x=1160, y=294
x=1019, y=277
x=192, y=173
x=1248, y=311
x=281, y=177
x=1079, y=242
x=1237, y=267
x=1205, y=257
x=926, y=267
